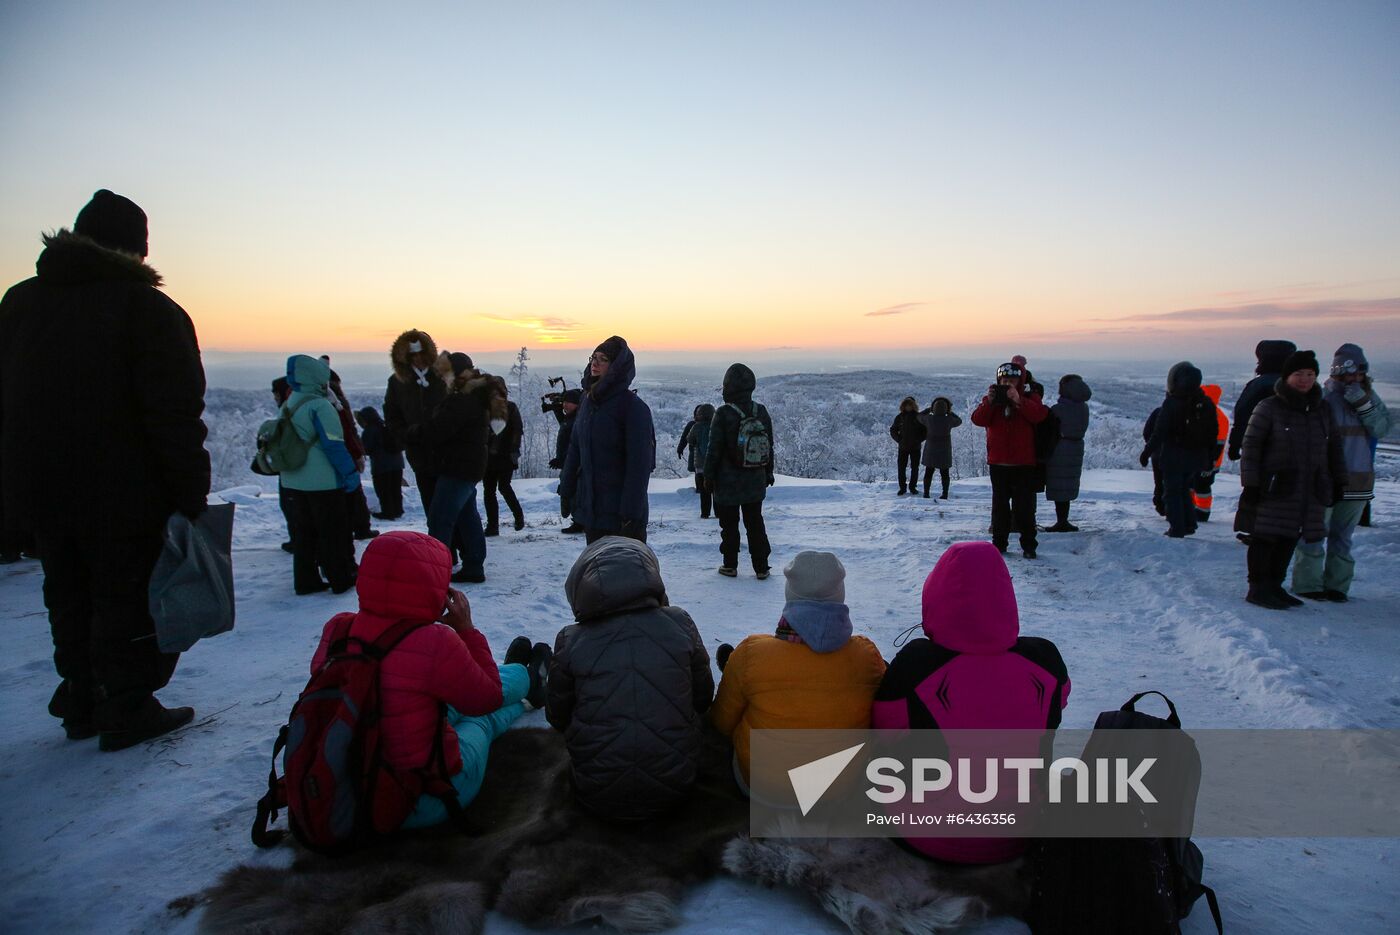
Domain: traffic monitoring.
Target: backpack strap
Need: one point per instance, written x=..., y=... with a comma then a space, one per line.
x=272, y=801
x=1173, y=719
x=1214, y=905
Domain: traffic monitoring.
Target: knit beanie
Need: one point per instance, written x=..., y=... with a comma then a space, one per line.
x=460, y=362
x=1350, y=358
x=611, y=348
x=114, y=222
x=816, y=576
x=1299, y=360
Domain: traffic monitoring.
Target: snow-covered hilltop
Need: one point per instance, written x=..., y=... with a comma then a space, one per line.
x=101, y=842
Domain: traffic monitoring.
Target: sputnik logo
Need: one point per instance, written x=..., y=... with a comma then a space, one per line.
x=811, y=780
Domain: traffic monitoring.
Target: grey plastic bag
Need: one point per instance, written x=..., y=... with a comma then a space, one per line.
x=192, y=585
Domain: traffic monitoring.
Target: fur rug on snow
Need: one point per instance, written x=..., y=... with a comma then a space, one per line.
x=528, y=852
x=877, y=888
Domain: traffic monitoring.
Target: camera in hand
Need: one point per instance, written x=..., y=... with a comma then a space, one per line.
x=553, y=401
x=999, y=395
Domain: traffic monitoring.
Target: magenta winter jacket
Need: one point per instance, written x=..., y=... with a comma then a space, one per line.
x=404, y=576
x=973, y=671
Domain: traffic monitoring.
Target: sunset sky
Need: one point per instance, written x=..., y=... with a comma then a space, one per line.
x=1105, y=178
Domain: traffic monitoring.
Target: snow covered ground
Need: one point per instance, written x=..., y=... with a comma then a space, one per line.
x=94, y=842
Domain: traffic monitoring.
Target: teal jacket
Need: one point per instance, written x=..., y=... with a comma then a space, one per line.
x=328, y=464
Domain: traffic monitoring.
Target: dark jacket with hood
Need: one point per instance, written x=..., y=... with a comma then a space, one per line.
x=906, y=427
x=459, y=427
x=1165, y=444
x=408, y=401
x=973, y=672
x=1291, y=458
x=612, y=450
x=1066, y=462
x=736, y=485
x=695, y=438
x=1269, y=357
x=938, y=423
x=503, y=450
x=385, y=453
x=136, y=408
x=628, y=684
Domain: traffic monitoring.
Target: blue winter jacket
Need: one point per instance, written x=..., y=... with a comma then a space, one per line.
x=612, y=451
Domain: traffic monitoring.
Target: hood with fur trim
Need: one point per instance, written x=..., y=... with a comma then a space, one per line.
x=398, y=353
x=472, y=381
x=73, y=258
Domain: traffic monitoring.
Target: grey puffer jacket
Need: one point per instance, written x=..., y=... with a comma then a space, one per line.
x=1067, y=460
x=628, y=684
x=1290, y=459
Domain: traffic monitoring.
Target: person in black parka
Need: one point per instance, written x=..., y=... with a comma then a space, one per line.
x=909, y=433
x=938, y=421
x=99, y=524
x=1269, y=357
x=413, y=392
x=565, y=415
x=695, y=445
x=612, y=449
x=385, y=462
x=1179, y=459
x=739, y=489
x=503, y=457
x=1066, y=462
x=1159, y=502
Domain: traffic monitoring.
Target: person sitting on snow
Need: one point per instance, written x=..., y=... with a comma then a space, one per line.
x=810, y=673
x=404, y=576
x=974, y=671
x=628, y=684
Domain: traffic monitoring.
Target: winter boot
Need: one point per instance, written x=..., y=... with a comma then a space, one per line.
x=925, y=494
x=519, y=521
x=1336, y=597
x=366, y=534
x=518, y=653
x=74, y=706
x=316, y=588
x=150, y=720
x=1312, y=595
x=722, y=655
x=572, y=529
x=761, y=574
x=728, y=572
x=540, y=655
x=466, y=576
x=287, y=547
x=1287, y=598
x=1263, y=597
x=491, y=531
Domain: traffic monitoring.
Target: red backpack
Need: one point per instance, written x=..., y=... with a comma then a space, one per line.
x=336, y=787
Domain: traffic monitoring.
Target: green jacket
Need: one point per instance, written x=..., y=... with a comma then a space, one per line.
x=328, y=464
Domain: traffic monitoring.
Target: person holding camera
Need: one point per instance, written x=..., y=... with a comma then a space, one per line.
x=1009, y=412
x=612, y=449
x=565, y=408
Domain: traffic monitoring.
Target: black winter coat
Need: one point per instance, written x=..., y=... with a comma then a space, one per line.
x=628, y=684
x=503, y=450
x=457, y=431
x=113, y=450
x=735, y=485
x=566, y=432
x=408, y=403
x=1288, y=463
x=938, y=427
x=1183, y=392
x=908, y=430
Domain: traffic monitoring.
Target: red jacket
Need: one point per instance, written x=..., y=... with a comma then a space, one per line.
x=1011, y=437
x=404, y=576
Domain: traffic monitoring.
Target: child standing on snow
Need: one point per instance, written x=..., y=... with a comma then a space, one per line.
x=810, y=673
x=695, y=444
x=404, y=576
x=385, y=463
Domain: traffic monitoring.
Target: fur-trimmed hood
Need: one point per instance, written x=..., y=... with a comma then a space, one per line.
x=73, y=258
x=472, y=380
x=398, y=353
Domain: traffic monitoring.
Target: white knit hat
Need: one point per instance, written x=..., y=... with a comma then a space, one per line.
x=816, y=576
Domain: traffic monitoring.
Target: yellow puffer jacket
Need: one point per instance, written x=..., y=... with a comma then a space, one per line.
x=772, y=684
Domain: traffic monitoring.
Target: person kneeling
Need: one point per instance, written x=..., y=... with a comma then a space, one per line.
x=404, y=576
x=628, y=684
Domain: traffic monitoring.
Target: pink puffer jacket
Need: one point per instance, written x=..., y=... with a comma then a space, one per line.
x=404, y=576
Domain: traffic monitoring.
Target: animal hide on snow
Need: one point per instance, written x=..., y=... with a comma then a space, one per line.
x=526, y=851
x=877, y=888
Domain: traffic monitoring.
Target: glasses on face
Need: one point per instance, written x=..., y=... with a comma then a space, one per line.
x=598, y=359
x=1346, y=368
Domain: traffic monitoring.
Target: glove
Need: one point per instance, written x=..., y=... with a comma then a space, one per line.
x=1144, y=458
x=554, y=464
x=192, y=509
x=1234, y=453
x=566, y=507
x=1355, y=394
x=770, y=480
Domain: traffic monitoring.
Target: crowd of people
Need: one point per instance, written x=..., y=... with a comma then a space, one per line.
x=629, y=682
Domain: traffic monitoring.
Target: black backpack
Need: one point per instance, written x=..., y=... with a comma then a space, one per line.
x=1108, y=886
x=1197, y=428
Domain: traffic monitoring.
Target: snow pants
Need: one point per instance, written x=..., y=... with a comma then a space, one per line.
x=321, y=539
x=910, y=458
x=104, y=647
x=928, y=479
x=388, y=487
x=754, y=528
x=474, y=738
x=1268, y=560
x=1013, y=501
x=1176, y=496
x=706, y=498
x=1328, y=565
x=453, y=511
